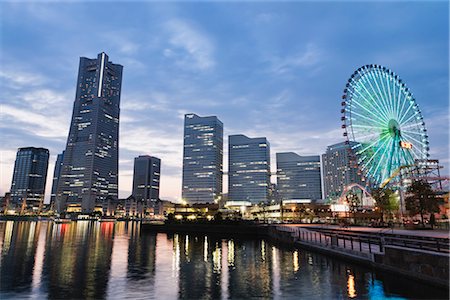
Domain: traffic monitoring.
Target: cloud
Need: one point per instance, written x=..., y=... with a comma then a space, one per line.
x=306, y=59
x=189, y=47
x=43, y=125
x=16, y=79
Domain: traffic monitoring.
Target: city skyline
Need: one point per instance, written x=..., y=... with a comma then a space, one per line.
x=272, y=92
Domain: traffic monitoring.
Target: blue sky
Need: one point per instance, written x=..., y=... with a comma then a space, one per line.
x=265, y=69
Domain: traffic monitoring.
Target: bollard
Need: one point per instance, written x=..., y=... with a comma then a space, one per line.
x=334, y=240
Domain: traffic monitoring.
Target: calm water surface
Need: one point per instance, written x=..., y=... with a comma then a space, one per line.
x=105, y=260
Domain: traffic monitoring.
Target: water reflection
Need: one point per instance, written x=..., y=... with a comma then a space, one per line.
x=116, y=260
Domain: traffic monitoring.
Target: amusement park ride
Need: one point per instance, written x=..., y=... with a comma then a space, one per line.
x=383, y=122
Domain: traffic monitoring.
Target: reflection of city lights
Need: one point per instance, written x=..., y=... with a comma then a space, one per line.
x=176, y=256
x=263, y=250
x=217, y=259
x=231, y=253
x=295, y=260
x=186, y=246
x=7, y=237
x=351, y=286
x=205, y=249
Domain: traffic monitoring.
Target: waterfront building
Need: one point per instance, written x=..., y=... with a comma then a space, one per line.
x=89, y=171
x=340, y=169
x=29, y=178
x=146, y=176
x=56, y=176
x=298, y=177
x=249, y=169
x=202, y=159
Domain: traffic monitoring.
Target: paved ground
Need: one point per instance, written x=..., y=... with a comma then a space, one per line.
x=424, y=233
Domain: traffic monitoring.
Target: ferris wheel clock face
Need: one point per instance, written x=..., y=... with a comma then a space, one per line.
x=383, y=123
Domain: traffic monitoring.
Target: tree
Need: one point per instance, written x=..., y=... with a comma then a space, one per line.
x=386, y=201
x=421, y=199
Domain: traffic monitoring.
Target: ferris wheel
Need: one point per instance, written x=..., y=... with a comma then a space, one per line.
x=382, y=123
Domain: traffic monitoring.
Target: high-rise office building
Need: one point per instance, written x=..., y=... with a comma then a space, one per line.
x=56, y=176
x=339, y=169
x=202, y=159
x=90, y=165
x=249, y=169
x=29, y=178
x=298, y=177
x=146, y=175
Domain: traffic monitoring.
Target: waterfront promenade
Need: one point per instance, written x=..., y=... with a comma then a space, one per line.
x=437, y=233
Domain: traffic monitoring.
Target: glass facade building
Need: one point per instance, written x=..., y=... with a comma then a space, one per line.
x=146, y=176
x=56, y=176
x=29, y=178
x=202, y=159
x=249, y=169
x=340, y=169
x=89, y=171
x=298, y=177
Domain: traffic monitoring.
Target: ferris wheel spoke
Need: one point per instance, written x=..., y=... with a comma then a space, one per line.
x=414, y=139
x=391, y=94
x=386, y=93
x=411, y=104
x=370, y=120
x=383, y=111
x=413, y=132
x=383, y=156
x=380, y=106
x=394, y=99
x=376, y=152
x=382, y=98
x=404, y=102
x=368, y=147
x=383, y=114
x=398, y=100
x=411, y=116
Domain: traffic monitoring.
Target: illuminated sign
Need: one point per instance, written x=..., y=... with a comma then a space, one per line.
x=405, y=145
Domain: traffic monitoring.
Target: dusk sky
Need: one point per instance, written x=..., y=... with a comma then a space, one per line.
x=264, y=69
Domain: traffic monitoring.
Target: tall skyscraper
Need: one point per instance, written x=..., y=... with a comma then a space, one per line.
x=56, y=176
x=339, y=169
x=29, y=178
x=298, y=177
x=90, y=166
x=202, y=159
x=146, y=175
x=249, y=169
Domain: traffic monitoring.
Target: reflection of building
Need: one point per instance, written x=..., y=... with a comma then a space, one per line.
x=141, y=254
x=90, y=164
x=19, y=243
x=202, y=159
x=249, y=169
x=29, y=177
x=298, y=177
x=339, y=169
x=78, y=270
x=56, y=176
x=146, y=177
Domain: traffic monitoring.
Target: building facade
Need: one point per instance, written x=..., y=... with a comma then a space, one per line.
x=146, y=176
x=29, y=178
x=298, y=177
x=56, y=176
x=90, y=165
x=339, y=169
x=249, y=169
x=202, y=159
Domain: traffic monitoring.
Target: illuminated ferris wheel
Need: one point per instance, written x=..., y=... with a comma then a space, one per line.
x=382, y=122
